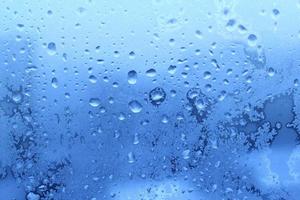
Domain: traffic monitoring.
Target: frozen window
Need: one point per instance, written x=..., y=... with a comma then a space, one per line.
x=149, y=100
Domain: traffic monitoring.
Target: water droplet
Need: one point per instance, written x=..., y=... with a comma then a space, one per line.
x=122, y=116
x=172, y=42
x=172, y=69
x=173, y=93
x=81, y=10
x=275, y=12
x=252, y=39
x=186, y=154
x=102, y=109
x=93, y=79
x=296, y=82
x=136, y=138
x=151, y=72
x=115, y=84
x=65, y=57
x=157, y=96
x=278, y=125
x=132, y=77
x=49, y=12
x=135, y=106
x=199, y=34
x=230, y=24
x=242, y=28
x=165, y=119
x=17, y=97
x=54, y=83
x=131, y=157
x=271, y=71
x=200, y=104
x=31, y=68
x=206, y=75
x=67, y=95
x=116, y=54
x=94, y=102
x=51, y=48
x=32, y=196
x=20, y=26
x=172, y=21
x=131, y=55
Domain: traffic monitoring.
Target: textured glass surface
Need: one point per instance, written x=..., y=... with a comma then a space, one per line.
x=149, y=100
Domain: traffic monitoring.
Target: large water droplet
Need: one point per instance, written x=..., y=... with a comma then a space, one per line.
x=132, y=77
x=151, y=72
x=94, y=102
x=157, y=96
x=172, y=69
x=135, y=106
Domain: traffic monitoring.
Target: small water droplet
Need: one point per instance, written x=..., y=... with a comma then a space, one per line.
x=278, y=125
x=165, y=119
x=206, y=75
x=122, y=116
x=186, y=154
x=275, y=12
x=49, y=12
x=131, y=55
x=296, y=82
x=51, y=48
x=131, y=157
x=271, y=71
x=54, y=83
x=17, y=97
x=65, y=57
x=136, y=138
x=115, y=84
x=67, y=95
x=93, y=79
x=199, y=34
x=171, y=42
x=230, y=24
x=252, y=39
x=242, y=28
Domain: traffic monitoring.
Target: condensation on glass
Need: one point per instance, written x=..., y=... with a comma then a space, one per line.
x=149, y=100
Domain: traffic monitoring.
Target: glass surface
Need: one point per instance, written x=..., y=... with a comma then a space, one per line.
x=149, y=100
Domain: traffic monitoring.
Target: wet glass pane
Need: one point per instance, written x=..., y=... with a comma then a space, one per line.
x=149, y=100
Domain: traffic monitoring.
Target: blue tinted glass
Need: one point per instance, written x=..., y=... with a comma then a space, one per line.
x=149, y=100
